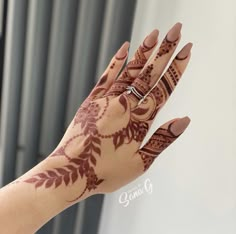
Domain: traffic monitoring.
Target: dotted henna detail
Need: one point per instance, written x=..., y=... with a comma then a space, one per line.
x=104, y=109
x=158, y=142
x=83, y=165
x=169, y=80
x=114, y=63
x=165, y=47
x=134, y=130
x=61, y=151
x=142, y=82
x=126, y=78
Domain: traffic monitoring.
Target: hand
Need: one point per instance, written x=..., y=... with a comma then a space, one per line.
x=102, y=144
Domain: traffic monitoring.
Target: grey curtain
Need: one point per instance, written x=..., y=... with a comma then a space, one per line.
x=53, y=52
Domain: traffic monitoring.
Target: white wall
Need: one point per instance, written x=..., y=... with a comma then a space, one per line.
x=194, y=181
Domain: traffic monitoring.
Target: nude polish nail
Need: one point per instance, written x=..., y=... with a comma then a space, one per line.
x=174, y=32
x=123, y=51
x=183, y=54
x=151, y=39
x=180, y=125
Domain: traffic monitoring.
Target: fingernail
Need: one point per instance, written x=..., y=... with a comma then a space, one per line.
x=180, y=125
x=123, y=51
x=151, y=39
x=183, y=54
x=174, y=32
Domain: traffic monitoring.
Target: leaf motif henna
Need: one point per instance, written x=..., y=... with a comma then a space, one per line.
x=140, y=111
x=123, y=102
x=86, y=160
x=96, y=91
x=53, y=177
x=89, y=122
x=103, y=80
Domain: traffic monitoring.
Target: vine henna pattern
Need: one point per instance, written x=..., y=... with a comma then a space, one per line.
x=135, y=129
x=83, y=165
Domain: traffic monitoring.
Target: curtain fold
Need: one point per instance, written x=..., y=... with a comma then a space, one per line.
x=12, y=85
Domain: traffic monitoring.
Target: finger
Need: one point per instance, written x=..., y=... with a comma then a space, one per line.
x=111, y=72
x=159, y=94
x=136, y=64
x=156, y=66
x=166, y=85
x=161, y=139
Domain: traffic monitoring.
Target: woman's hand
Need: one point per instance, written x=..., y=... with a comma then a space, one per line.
x=101, y=147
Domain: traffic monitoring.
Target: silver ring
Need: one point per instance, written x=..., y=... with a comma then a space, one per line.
x=132, y=89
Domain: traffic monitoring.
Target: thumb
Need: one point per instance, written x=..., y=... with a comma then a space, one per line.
x=161, y=139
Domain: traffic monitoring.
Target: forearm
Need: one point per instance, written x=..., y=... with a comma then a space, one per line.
x=24, y=208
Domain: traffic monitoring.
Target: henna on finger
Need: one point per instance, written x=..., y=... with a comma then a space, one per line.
x=145, y=81
x=136, y=64
x=171, y=78
x=107, y=131
x=166, y=85
x=161, y=139
x=110, y=74
x=159, y=95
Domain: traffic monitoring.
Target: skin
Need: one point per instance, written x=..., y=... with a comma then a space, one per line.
x=100, y=151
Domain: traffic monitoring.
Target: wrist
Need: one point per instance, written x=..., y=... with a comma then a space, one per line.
x=30, y=207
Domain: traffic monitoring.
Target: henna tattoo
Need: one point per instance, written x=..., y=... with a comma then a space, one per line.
x=167, y=83
x=87, y=116
x=55, y=177
x=142, y=82
x=61, y=151
x=103, y=80
x=136, y=64
x=134, y=130
x=161, y=139
x=165, y=47
x=82, y=166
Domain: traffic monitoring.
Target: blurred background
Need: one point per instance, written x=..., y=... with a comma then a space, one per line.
x=51, y=54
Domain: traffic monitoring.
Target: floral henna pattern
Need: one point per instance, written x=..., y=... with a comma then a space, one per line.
x=134, y=130
x=82, y=165
x=138, y=120
x=161, y=139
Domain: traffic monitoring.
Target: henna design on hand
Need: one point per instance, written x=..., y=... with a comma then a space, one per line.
x=83, y=165
x=166, y=47
x=161, y=139
x=135, y=65
x=107, y=99
x=87, y=116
